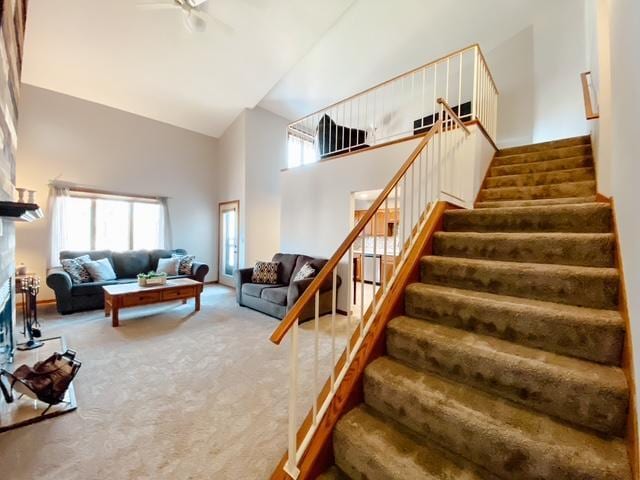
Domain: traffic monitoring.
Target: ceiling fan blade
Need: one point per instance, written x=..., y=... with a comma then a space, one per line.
x=157, y=6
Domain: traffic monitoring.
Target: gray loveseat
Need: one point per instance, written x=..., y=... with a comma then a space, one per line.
x=76, y=297
x=276, y=300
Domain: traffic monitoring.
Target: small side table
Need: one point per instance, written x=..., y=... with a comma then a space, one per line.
x=29, y=286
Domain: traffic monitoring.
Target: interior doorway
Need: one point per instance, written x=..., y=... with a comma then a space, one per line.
x=228, y=228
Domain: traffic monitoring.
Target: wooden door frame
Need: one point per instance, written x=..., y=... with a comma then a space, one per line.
x=220, y=205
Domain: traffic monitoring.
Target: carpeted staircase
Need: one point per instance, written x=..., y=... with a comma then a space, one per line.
x=507, y=363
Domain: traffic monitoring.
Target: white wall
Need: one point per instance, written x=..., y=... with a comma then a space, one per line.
x=230, y=174
x=511, y=64
x=625, y=78
x=252, y=151
x=66, y=138
x=559, y=58
x=266, y=156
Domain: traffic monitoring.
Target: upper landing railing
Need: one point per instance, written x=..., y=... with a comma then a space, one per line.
x=404, y=106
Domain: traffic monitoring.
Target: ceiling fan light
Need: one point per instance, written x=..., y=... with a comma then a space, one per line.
x=195, y=23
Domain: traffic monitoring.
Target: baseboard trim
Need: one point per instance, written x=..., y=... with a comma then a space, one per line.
x=627, y=355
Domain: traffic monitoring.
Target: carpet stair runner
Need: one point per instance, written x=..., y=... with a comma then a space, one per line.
x=506, y=364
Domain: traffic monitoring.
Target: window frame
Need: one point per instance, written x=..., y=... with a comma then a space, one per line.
x=93, y=196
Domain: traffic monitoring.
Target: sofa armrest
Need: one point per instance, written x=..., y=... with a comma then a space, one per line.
x=240, y=277
x=296, y=289
x=60, y=282
x=199, y=271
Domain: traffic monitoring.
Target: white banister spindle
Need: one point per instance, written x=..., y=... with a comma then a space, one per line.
x=334, y=295
x=474, y=98
x=374, y=232
x=316, y=353
x=362, y=289
x=383, y=263
x=292, y=461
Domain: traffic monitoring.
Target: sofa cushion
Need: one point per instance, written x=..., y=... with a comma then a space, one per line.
x=302, y=260
x=265, y=272
x=75, y=268
x=130, y=264
x=92, y=288
x=100, y=270
x=255, y=289
x=154, y=255
x=185, y=263
x=277, y=295
x=168, y=265
x=93, y=254
x=287, y=264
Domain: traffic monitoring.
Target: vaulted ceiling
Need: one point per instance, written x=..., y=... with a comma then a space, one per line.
x=145, y=61
x=288, y=56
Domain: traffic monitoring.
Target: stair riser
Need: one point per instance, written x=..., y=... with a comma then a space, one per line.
x=568, y=142
x=553, y=154
x=529, y=383
x=505, y=451
x=578, y=219
x=367, y=446
x=547, y=178
x=536, y=203
x=583, y=290
x=543, y=166
x=547, y=331
x=589, y=252
x=561, y=190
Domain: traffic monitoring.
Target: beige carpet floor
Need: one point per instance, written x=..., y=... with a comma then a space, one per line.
x=170, y=394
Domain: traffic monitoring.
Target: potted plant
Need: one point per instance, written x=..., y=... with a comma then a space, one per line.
x=152, y=279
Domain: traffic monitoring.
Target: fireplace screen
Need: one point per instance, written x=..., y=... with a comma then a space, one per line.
x=6, y=323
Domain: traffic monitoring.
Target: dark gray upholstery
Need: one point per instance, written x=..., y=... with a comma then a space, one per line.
x=255, y=289
x=130, y=264
x=276, y=300
x=87, y=296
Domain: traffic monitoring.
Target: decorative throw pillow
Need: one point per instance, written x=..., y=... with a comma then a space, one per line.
x=100, y=270
x=75, y=268
x=186, y=263
x=307, y=271
x=265, y=272
x=168, y=265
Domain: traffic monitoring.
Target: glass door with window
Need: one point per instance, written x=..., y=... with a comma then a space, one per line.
x=228, y=245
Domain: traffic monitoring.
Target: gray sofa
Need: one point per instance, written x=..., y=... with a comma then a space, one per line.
x=277, y=300
x=72, y=297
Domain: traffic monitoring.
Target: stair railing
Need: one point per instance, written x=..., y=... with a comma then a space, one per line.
x=400, y=108
x=406, y=203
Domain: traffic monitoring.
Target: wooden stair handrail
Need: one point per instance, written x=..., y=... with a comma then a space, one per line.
x=586, y=94
x=292, y=315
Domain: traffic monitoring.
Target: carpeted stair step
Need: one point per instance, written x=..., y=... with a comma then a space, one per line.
x=559, y=190
x=334, y=473
x=549, y=154
x=583, y=218
x=513, y=442
x=537, y=147
x=583, y=393
x=534, y=203
x=368, y=446
x=580, y=286
x=582, y=161
x=586, y=333
x=581, y=249
x=543, y=178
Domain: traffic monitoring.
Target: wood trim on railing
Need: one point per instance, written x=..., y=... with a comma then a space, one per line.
x=319, y=455
x=444, y=57
x=586, y=94
x=292, y=315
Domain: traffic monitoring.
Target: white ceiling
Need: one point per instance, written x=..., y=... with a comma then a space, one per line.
x=378, y=39
x=146, y=62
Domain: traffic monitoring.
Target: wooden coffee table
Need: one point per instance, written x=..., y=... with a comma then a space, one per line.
x=132, y=295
